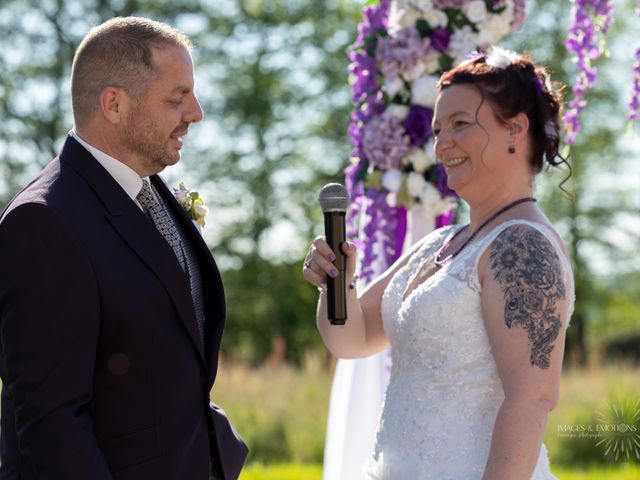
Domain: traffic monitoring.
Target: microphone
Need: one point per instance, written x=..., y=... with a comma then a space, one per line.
x=334, y=201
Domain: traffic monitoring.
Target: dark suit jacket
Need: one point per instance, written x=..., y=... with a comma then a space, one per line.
x=102, y=369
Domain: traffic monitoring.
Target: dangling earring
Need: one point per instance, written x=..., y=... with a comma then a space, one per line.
x=512, y=141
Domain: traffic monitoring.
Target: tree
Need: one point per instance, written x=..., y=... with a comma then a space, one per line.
x=272, y=78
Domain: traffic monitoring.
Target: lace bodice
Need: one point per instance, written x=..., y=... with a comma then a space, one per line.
x=444, y=392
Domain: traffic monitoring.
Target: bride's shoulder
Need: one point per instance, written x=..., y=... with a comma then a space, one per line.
x=530, y=229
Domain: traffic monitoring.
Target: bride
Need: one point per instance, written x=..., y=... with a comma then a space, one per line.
x=476, y=314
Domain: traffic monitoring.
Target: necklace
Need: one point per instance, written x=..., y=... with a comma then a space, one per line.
x=443, y=249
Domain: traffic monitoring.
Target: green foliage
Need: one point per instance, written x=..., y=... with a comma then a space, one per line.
x=586, y=397
x=625, y=472
x=600, y=201
x=268, y=301
x=314, y=472
x=276, y=78
x=283, y=471
x=618, y=309
x=280, y=412
x=272, y=78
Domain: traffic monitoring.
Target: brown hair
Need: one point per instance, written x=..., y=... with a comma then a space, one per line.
x=118, y=53
x=513, y=84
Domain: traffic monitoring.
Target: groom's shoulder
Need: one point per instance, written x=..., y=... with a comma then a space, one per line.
x=55, y=188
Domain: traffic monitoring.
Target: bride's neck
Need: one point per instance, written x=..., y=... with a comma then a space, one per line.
x=482, y=211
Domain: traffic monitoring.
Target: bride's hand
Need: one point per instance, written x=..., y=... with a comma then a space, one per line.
x=318, y=264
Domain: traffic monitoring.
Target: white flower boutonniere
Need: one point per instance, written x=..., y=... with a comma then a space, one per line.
x=192, y=203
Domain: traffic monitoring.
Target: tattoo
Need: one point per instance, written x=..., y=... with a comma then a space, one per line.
x=528, y=270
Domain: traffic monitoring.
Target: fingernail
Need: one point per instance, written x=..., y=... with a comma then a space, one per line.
x=332, y=257
x=333, y=273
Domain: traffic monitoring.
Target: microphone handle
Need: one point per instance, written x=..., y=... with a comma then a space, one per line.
x=334, y=227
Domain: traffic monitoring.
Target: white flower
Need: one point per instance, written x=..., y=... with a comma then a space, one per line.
x=200, y=209
x=446, y=204
x=430, y=151
x=393, y=86
x=486, y=38
x=424, y=5
x=424, y=91
x=475, y=11
x=432, y=61
x=493, y=29
x=418, y=159
x=436, y=18
x=501, y=58
x=429, y=195
x=402, y=18
x=392, y=199
x=193, y=205
x=431, y=199
x=462, y=42
x=415, y=183
x=182, y=196
x=392, y=180
x=400, y=111
x=416, y=72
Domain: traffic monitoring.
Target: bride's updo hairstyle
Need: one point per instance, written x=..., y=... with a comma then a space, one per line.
x=512, y=84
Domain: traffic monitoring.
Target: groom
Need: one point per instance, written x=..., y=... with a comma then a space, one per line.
x=111, y=306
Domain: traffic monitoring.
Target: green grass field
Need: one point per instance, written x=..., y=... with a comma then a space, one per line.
x=282, y=413
x=314, y=472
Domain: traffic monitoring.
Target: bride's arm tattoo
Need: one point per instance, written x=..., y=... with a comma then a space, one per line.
x=528, y=270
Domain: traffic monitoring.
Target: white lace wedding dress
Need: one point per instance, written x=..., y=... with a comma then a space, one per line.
x=444, y=392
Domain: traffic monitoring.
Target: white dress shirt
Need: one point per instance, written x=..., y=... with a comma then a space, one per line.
x=126, y=177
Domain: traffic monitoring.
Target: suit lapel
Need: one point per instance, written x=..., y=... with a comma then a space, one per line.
x=138, y=231
x=215, y=311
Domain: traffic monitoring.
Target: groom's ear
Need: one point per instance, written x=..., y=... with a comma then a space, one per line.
x=114, y=103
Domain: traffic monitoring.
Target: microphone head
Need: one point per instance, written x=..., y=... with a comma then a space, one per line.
x=334, y=198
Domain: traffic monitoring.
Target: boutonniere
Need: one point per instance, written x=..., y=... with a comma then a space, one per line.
x=192, y=203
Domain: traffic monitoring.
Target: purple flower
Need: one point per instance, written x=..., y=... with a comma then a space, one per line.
x=591, y=21
x=385, y=231
x=385, y=143
x=381, y=140
x=418, y=124
x=440, y=39
x=399, y=53
x=634, y=103
x=519, y=14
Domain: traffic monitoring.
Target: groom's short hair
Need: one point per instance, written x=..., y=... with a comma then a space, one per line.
x=118, y=53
